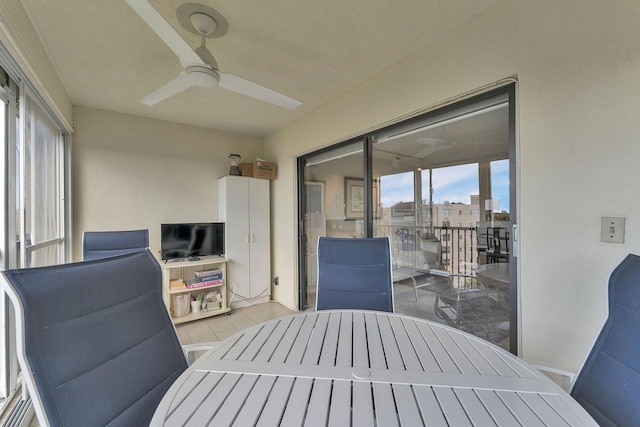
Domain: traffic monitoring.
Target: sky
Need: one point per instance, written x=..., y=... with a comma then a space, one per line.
x=452, y=184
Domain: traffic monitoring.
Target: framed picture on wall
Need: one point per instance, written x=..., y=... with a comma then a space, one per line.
x=353, y=198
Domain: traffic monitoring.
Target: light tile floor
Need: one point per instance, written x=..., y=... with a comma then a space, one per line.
x=218, y=328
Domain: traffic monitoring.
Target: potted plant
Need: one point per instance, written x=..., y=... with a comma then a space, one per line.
x=212, y=300
x=196, y=302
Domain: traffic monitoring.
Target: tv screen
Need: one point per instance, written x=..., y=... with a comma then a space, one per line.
x=192, y=240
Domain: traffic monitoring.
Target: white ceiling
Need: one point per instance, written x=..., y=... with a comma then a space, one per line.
x=312, y=51
x=470, y=139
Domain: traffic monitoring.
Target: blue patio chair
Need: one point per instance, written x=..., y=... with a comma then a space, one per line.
x=354, y=274
x=102, y=244
x=608, y=385
x=95, y=342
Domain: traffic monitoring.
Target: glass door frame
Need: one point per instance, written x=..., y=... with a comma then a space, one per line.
x=8, y=360
x=368, y=138
x=302, y=203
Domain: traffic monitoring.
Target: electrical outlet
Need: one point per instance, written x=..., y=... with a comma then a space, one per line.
x=612, y=229
x=276, y=280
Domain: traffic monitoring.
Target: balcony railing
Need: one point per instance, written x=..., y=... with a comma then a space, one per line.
x=459, y=245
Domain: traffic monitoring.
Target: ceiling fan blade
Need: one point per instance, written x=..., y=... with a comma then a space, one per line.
x=166, y=32
x=245, y=87
x=176, y=85
x=430, y=149
x=431, y=141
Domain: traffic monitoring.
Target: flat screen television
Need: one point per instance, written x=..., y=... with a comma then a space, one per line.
x=192, y=240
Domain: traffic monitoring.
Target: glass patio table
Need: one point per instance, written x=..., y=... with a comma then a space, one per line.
x=496, y=274
x=363, y=368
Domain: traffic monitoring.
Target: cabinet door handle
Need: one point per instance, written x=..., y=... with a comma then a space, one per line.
x=248, y=238
x=253, y=238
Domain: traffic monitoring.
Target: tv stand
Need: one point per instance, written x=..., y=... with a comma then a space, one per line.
x=185, y=270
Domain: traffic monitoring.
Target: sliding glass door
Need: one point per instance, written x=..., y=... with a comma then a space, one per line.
x=8, y=124
x=35, y=193
x=332, y=197
x=441, y=187
x=41, y=236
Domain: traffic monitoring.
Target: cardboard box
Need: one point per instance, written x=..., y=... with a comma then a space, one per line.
x=264, y=170
x=246, y=169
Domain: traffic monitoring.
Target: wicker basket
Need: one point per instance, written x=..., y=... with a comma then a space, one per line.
x=180, y=305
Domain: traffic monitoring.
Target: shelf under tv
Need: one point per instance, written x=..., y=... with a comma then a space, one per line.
x=185, y=270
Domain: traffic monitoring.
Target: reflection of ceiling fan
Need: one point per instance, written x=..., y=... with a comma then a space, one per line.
x=200, y=68
x=433, y=145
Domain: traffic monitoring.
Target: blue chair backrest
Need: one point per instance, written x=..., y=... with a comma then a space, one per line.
x=97, y=345
x=102, y=244
x=608, y=385
x=354, y=274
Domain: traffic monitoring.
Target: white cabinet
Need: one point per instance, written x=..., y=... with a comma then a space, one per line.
x=243, y=205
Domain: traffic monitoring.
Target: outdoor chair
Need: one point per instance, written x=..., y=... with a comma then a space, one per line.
x=413, y=256
x=608, y=386
x=354, y=274
x=95, y=342
x=498, y=250
x=102, y=244
x=464, y=303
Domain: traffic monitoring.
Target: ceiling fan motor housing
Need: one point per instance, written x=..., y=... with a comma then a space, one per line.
x=202, y=76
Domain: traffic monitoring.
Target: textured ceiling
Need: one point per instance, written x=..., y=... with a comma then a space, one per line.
x=312, y=51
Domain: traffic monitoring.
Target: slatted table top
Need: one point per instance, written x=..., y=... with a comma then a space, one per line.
x=363, y=368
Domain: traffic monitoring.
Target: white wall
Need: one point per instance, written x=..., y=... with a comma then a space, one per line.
x=578, y=66
x=131, y=172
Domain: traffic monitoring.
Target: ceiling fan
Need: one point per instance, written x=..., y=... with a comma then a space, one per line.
x=200, y=68
x=432, y=145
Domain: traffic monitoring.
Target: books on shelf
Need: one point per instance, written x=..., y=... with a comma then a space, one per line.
x=207, y=275
x=197, y=284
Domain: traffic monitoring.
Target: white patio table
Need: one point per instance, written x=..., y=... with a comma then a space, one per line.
x=363, y=368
